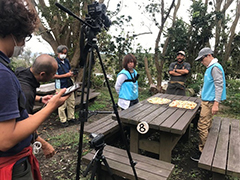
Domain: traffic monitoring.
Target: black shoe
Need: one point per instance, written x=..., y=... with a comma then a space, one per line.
x=72, y=121
x=65, y=124
x=196, y=156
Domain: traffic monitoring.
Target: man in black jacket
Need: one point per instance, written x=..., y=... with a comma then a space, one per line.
x=42, y=70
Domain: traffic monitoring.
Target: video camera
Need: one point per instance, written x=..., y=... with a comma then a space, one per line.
x=97, y=15
x=97, y=141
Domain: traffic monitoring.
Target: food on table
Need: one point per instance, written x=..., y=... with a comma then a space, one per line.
x=158, y=100
x=183, y=104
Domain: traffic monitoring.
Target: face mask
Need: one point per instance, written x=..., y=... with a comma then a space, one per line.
x=62, y=56
x=17, y=49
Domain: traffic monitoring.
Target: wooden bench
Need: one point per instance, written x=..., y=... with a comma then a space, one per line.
x=146, y=168
x=106, y=126
x=49, y=88
x=221, y=153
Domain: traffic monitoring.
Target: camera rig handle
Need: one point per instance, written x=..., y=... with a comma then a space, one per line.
x=72, y=14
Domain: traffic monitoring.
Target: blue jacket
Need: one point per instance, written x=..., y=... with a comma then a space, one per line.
x=208, y=90
x=129, y=88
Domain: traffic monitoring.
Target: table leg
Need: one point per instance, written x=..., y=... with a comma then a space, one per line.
x=167, y=143
x=134, y=140
x=186, y=135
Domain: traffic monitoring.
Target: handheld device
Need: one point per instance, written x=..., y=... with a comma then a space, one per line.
x=72, y=88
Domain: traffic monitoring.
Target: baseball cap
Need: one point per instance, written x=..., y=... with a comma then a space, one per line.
x=181, y=52
x=203, y=52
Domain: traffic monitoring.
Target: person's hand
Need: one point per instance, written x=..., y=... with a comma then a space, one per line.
x=215, y=108
x=58, y=100
x=46, y=98
x=70, y=74
x=48, y=150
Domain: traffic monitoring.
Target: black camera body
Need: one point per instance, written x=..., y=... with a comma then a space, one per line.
x=97, y=142
x=75, y=71
x=97, y=12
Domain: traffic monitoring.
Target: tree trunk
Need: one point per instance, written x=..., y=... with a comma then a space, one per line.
x=156, y=49
x=150, y=81
x=232, y=31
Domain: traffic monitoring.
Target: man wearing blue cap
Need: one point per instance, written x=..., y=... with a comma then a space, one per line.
x=178, y=72
x=213, y=92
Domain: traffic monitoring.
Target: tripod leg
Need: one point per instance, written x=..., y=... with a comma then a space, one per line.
x=132, y=163
x=89, y=167
x=83, y=114
x=107, y=166
x=94, y=169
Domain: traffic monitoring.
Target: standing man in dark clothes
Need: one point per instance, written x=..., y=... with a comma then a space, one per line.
x=178, y=71
x=63, y=80
x=42, y=70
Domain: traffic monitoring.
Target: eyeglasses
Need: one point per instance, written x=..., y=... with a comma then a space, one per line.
x=203, y=57
x=28, y=38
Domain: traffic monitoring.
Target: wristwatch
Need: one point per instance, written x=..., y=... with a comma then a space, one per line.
x=40, y=100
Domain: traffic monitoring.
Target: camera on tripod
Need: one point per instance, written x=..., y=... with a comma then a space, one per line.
x=97, y=141
x=97, y=15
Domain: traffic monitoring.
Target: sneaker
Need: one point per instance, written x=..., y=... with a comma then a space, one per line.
x=196, y=156
x=65, y=124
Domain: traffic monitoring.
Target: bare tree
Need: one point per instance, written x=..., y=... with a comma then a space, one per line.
x=164, y=17
x=228, y=45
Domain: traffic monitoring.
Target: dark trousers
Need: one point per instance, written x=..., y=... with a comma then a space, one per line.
x=176, y=89
x=22, y=171
x=132, y=102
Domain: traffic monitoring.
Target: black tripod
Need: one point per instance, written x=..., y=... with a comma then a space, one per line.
x=98, y=158
x=84, y=106
x=91, y=27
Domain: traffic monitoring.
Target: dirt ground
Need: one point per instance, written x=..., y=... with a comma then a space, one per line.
x=63, y=164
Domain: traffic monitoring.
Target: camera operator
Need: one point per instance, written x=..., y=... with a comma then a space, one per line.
x=64, y=80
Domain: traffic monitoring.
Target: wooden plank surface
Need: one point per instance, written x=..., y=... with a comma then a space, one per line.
x=233, y=166
x=220, y=158
x=181, y=125
x=104, y=125
x=46, y=89
x=207, y=156
x=146, y=168
x=161, y=117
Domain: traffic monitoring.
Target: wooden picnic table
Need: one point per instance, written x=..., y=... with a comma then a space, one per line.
x=169, y=123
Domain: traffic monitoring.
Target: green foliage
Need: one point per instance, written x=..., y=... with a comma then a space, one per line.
x=233, y=96
x=103, y=101
x=24, y=60
x=233, y=65
x=196, y=83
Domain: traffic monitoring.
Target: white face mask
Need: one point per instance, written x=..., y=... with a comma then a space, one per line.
x=17, y=49
x=62, y=56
